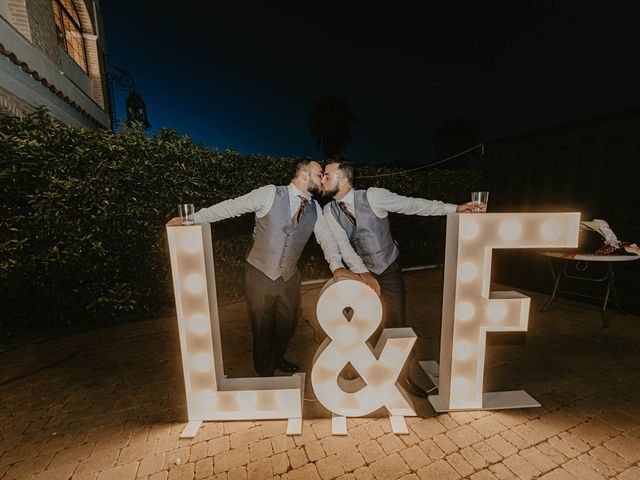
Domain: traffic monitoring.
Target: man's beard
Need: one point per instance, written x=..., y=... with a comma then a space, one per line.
x=313, y=188
x=330, y=193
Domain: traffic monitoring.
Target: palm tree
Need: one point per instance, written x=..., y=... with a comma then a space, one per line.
x=330, y=124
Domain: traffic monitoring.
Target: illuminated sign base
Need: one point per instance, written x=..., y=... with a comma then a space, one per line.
x=211, y=396
x=490, y=401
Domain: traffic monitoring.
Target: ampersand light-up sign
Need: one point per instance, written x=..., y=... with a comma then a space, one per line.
x=210, y=395
x=469, y=310
x=378, y=368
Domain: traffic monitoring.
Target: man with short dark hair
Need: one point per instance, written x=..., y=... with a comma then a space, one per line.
x=285, y=218
x=360, y=223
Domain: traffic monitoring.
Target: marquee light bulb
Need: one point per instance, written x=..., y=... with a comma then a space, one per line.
x=463, y=349
x=467, y=271
x=286, y=401
x=346, y=335
x=194, y=283
x=190, y=242
x=465, y=311
x=469, y=229
x=202, y=362
x=496, y=311
x=247, y=399
x=199, y=324
x=460, y=387
x=510, y=229
x=206, y=398
x=551, y=229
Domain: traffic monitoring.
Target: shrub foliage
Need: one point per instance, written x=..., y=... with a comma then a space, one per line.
x=84, y=211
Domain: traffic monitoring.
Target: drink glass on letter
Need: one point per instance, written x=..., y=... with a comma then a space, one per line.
x=480, y=200
x=186, y=212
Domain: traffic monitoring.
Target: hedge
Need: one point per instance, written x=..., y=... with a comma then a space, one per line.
x=83, y=215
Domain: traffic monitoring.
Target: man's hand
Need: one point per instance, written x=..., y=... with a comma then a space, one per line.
x=343, y=273
x=174, y=221
x=371, y=281
x=367, y=278
x=471, y=207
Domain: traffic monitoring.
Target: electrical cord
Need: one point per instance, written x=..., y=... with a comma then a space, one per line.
x=307, y=320
x=39, y=369
x=430, y=165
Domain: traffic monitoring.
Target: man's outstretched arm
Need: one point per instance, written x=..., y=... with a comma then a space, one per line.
x=259, y=200
x=383, y=201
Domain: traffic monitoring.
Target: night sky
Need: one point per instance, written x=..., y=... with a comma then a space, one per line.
x=242, y=75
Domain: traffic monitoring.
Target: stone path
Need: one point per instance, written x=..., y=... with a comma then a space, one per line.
x=109, y=404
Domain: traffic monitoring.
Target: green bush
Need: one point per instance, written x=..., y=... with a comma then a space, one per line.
x=84, y=211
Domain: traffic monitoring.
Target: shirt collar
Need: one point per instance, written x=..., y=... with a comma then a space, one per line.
x=294, y=192
x=349, y=198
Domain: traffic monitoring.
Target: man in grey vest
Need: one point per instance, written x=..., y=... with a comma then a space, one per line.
x=359, y=220
x=286, y=216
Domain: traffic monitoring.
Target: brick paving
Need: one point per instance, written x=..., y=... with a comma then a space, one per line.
x=109, y=404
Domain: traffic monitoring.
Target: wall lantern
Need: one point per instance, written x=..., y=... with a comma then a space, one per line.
x=136, y=109
x=134, y=104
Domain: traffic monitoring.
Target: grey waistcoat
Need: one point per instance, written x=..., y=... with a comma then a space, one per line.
x=371, y=237
x=277, y=246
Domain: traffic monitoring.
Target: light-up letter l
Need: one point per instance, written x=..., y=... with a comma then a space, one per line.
x=210, y=395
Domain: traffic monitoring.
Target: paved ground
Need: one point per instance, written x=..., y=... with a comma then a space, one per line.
x=109, y=404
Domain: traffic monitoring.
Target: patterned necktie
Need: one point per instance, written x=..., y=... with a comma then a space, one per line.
x=300, y=213
x=345, y=210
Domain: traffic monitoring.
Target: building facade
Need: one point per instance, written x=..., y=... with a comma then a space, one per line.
x=53, y=53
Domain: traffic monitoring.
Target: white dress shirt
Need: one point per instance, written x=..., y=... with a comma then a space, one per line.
x=382, y=201
x=260, y=201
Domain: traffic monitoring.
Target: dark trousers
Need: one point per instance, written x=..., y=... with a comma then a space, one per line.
x=273, y=311
x=392, y=296
x=393, y=306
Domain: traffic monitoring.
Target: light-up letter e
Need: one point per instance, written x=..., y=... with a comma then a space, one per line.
x=210, y=395
x=470, y=310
